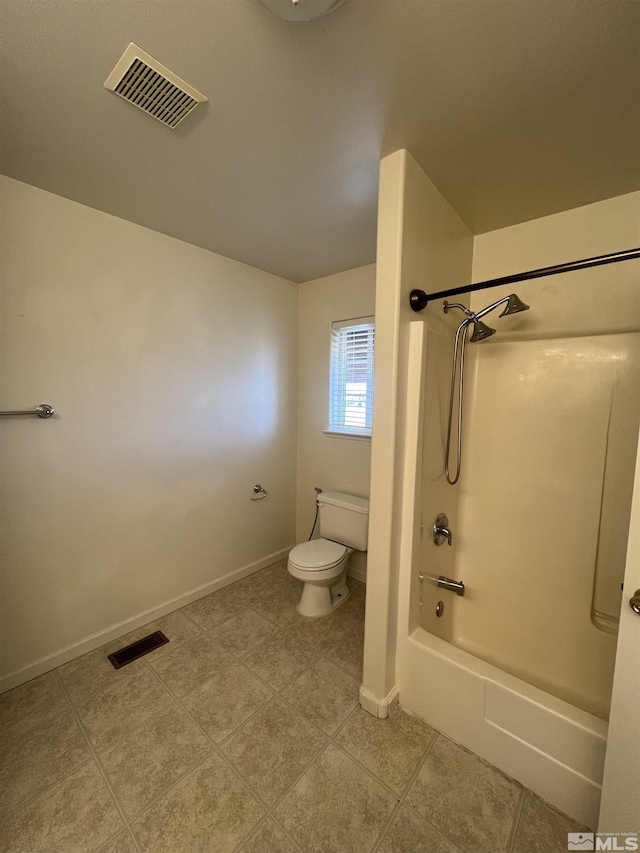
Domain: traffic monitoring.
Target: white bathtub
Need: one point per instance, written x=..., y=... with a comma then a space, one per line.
x=552, y=747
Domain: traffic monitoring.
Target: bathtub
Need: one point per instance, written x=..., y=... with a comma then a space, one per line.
x=548, y=745
x=542, y=741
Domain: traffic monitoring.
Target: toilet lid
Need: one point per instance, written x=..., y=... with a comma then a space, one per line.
x=317, y=554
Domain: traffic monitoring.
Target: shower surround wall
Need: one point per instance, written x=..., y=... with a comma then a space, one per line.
x=548, y=743
x=552, y=409
x=173, y=373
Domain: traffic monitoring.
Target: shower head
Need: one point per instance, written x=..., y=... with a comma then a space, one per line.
x=514, y=305
x=481, y=331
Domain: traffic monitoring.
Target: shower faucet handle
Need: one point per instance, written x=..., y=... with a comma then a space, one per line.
x=441, y=530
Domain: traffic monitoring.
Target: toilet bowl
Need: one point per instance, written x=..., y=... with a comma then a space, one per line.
x=322, y=563
x=322, y=566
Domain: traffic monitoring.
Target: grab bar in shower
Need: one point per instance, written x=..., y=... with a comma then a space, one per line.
x=41, y=411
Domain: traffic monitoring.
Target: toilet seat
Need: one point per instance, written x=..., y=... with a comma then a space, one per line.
x=317, y=555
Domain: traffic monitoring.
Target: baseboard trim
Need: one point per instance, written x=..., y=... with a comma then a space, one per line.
x=94, y=641
x=358, y=574
x=377, y=707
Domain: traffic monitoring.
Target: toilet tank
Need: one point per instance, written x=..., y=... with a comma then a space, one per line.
x=344, y=518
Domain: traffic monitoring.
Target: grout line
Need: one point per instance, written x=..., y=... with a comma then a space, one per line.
x=113, y=838
x=414, y=776
x=101, y=768
x=170, y=788
x=218, y=751
x=123, y=676
x=385, y=828
x=346, y=721
x=284, y=629
x=145, y=722
x=245, y=722
x=281, y=827
x=242, y=663
x=271, y=809
x=405, y=791
x=30, y=800
x=286, y=701
x=409, y=785
x=368, y=772
x=514, y=829
x=358, y=677
x=239, y=847
x=186, y=616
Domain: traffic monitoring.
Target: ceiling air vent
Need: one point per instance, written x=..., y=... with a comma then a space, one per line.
x=145, y=83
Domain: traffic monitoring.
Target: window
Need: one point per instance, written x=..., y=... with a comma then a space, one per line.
x=351, y=385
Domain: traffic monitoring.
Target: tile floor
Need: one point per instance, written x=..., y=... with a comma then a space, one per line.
x=244, y=734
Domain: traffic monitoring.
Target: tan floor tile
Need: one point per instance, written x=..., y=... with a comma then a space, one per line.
x=280, y=659
x=541, y=829
x=325, y=632
x=325, y=694
x=209, y=811
x=349, y=652
x=39, y=757
x=409, y=834
x=242, y=632
x=31, y=705
x=122, y=707
x=335, y=807
x=269, y=839
x=357, y=588
x=391, y=749
x=226, y=701
x=191, y=663
x=78, y=815
x=280, y=605
x=450, y=776
x=122, y=843
x=279, y=574
x=150, y=760
x=85, y=677
x=273, y=749
x=254, y=588
x=215, y=608
x=176, y=628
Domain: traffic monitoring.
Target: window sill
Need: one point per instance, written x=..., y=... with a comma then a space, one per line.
x=356, y=435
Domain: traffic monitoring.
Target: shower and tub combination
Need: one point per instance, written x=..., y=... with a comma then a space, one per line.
x=530, y=495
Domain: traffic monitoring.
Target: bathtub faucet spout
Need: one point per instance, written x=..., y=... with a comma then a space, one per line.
x=454, y=586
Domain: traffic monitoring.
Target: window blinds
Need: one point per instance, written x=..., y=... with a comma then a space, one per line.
x=351, y=386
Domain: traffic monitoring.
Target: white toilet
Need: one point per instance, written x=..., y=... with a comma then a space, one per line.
x=322, y=563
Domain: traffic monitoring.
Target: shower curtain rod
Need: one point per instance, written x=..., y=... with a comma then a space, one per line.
x=418, y=299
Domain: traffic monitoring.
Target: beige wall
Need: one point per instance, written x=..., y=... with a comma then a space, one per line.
x=173, y=374
x=328, y=461
x=552, y=410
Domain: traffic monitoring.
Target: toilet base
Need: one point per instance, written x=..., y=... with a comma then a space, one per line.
x=317, y=601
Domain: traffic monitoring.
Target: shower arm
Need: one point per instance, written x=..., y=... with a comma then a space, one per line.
x=449, y=305
x=480, y=314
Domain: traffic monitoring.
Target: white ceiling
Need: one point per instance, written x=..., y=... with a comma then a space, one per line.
x=514, y=108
